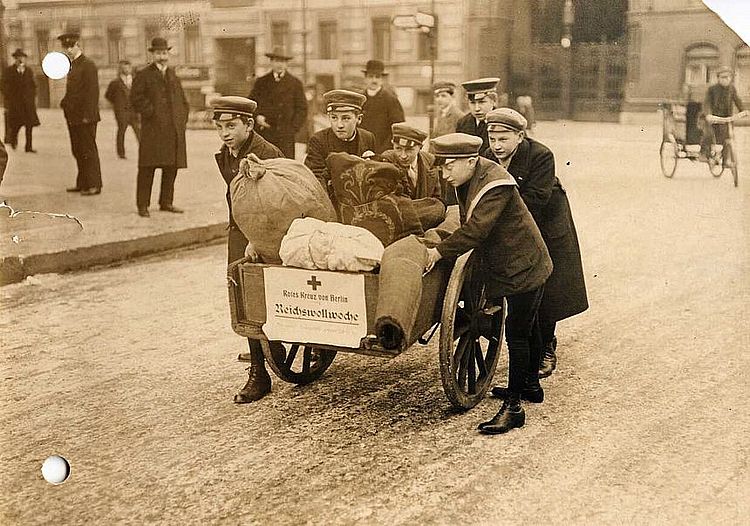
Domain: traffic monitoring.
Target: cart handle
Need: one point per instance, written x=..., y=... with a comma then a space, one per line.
x=713, y=119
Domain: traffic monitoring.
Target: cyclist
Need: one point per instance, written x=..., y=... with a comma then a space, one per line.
x=719, y=100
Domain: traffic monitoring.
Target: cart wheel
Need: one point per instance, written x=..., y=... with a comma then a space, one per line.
x=715, y=165
x=732, y=159
x=294, y=367
x=668, y=158
x=470, y=338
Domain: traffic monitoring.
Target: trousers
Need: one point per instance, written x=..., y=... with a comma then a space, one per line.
x=146, y=181
x=83, y=145
x=125, y=119
x=523, y=337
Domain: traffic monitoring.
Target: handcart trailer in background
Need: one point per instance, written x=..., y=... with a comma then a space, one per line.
x=681, y=137
x=471, y=332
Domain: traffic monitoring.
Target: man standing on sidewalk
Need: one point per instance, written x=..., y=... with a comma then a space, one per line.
x=19, y=95
x=81, y=109
x=118, y=93
x=382, y=108
x=282, y=106
x=157, y=95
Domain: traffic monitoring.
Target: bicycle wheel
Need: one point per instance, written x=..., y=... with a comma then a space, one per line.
x=732, y=161
x=715, y=164
x=668, y=158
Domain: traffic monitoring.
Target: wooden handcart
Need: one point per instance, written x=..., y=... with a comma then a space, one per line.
x=470, y=330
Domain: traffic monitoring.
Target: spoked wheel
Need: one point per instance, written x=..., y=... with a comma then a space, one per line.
x=731, y=158
x=668, y=158
x=715, y=165
x=297, y=364
x=470, y=336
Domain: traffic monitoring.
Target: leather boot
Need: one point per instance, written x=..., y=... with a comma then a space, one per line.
x=549, y=359
x=528, y=393
x=510, y=416
x=258, y=383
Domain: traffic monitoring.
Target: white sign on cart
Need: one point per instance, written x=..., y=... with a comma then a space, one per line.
x=315, y=306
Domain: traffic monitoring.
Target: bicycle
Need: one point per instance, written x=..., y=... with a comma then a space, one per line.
x=727, y=155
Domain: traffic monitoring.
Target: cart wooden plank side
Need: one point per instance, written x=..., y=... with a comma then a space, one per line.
x=471, y=331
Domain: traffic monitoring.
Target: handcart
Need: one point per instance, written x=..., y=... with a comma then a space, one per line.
x=453, y=300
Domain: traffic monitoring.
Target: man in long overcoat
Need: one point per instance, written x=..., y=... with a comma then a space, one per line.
x=19, y=96
x=158, y=97
x=381, y=108
x=533, y=166
x=118, y=94
x=282, y=106
x=81, y=109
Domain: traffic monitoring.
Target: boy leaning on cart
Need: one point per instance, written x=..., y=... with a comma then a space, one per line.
x=233, y=118
x=497, y=225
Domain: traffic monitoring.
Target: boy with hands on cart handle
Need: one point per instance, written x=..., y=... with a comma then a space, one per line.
x=498, y=226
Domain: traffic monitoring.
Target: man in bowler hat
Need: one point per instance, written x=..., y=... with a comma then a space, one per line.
x=234, y=121
x=19, y=96
x=482, y=95
x=118, y=94
x=158, y=97
x=282, y=106
x=381, y=108
x=532, y=164
x=81, y=109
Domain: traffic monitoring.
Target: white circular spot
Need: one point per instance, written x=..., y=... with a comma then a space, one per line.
x=565, y=42
x=56, y=65
x=55, y=469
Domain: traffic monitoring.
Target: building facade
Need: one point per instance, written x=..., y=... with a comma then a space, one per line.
x=675, y=49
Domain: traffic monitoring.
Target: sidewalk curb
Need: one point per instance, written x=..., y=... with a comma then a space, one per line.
x=16, y=268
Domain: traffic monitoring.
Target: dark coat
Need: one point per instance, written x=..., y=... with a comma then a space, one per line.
x=468, y=124
x=282, y=103
x=378, y=113
x=447, y=124
x=428, y=180
x=719, y=100
x=81, y=100
x=164, y=113
x=118, y=94
x=496, y=223
x=254, y=144
x=19, y=96
x=325, y=142
x=533, y=166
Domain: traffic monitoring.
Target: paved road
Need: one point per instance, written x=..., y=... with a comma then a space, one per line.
x=128, y=372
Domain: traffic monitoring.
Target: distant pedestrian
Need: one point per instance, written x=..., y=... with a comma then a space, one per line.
x=158, y=97
x=482, y=95
x=118, y=94
x=526, y=108
x=282, y=106
x=81, y=109
x=382, y=108
x=447, y=114
x=19, y=95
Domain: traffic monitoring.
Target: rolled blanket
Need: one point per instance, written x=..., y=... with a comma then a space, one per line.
x=400, y=292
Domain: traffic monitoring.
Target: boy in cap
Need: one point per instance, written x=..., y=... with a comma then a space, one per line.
x=282, y=106
x=496, y=224
x=482, y=95
x=533, y=166
x=447, y=113
x=344, y=111
x=19, y=96
x=720, y=98
x=118, y=94
x=81, y=109
x=381, y=108
x=234, y=122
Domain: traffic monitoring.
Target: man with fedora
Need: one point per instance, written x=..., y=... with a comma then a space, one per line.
x=234, y=121
x=81, y=109
x=282, y=106
x=344, y=111
x=447, y=113
x=532, y=164
x=19, y=96
x=482, y=95
x=158, y=97
x=512, y=259
x=118, y=94
x=381, y=108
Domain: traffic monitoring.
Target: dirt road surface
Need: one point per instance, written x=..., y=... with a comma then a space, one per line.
x=129, y=373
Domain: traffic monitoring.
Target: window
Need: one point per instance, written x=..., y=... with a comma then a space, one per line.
x=701, y=62
x=381, y=38
x=151, y=31
x=42, y=43
x=280, y=34
x=327, y=31
x=115, y=45
x=742, y=72
x=192, y=45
